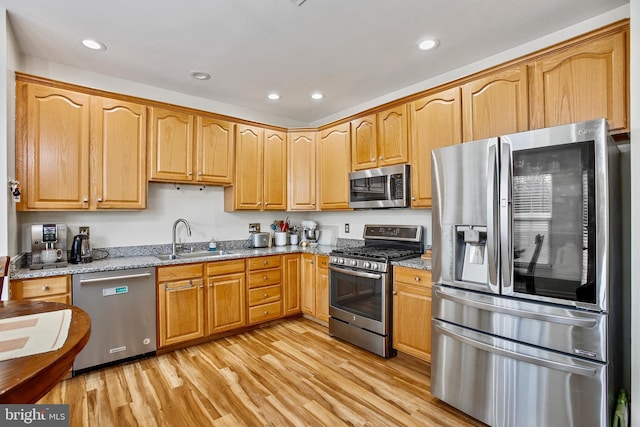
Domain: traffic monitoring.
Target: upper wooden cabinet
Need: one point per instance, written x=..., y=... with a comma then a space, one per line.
x=334, y=161
x=57, y=129
x=190, y=149
x=380, y=139
x=260, y=182
x=587, y=81
x=435, y=122
x=119, y=138
x=496, y=104
x=215, y=149
x=302, y=171
x=170, y=145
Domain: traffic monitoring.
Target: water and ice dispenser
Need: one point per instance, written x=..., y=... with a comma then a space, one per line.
x=471, y=253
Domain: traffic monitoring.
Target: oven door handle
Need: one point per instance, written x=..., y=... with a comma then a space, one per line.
x=356, y=273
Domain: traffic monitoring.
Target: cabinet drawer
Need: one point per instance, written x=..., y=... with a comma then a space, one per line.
x=177, y=272
x=263, y=295
x=182, y=284
x=40, y=288
x=218, y=268
x=264, y=278
x=412, y=276
x=264, y=312
x=264, y=262
x=323, y=262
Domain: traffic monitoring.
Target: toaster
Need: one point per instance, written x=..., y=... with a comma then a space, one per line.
x=259, y=240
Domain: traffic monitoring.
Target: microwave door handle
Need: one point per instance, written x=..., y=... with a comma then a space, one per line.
x=492, y=216
x=388, y=183
x=506, y=216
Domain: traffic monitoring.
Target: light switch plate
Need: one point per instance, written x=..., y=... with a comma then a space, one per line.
x=254, y=227
x=84, y=229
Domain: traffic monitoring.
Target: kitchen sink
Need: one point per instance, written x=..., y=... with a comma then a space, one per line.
x=202, y=254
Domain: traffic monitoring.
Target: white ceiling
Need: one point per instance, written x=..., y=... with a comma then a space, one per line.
x=351, y=50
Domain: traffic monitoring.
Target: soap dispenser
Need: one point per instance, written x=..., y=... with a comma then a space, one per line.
x=213, y=246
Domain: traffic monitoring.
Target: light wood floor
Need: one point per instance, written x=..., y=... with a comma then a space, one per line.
x=288, y=374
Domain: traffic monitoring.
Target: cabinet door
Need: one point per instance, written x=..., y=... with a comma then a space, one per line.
x=225, y=303
x=322, y=288
x=334, y=162
x=497, y=104
x=393, y=136
x=214, y=151
x=275, y=170
x=308, y=284
x=249, y=167
x=586, y=82
x=291, y=284
x=170, y=145
x=412, y=314
x=435, y=122
x=364, y=151
x=52, y=153
x=119, y=147
x=302, y=171
x=181, y=311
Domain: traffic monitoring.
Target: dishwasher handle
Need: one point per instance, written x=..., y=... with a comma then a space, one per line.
x=113, y=278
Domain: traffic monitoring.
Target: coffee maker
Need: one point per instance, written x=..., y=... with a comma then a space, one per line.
x=48, y=246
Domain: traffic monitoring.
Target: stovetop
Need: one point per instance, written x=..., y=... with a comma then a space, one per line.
x=382, y=244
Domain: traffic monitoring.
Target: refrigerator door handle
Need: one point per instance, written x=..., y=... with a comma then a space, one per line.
x=506, y=220
x=551, y=318
x=492, y=217
x=558, y=366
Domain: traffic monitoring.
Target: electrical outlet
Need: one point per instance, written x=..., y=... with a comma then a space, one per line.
x=254, y=227
x=346, y=228
x=84, y=229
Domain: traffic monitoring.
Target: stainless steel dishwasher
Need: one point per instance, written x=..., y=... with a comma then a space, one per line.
x=122, y=307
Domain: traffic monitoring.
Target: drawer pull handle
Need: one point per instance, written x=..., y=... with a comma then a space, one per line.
x=45, y=288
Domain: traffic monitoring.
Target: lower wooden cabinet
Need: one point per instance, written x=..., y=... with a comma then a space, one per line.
x=180, y=303
x=412, y=312
x=291, y=284
x=225, y=296
x=264, y=283
x=54, y=289
x=314, y=287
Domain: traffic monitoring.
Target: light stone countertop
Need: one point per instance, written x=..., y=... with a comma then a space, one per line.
x=141, y=261
x=417, y=263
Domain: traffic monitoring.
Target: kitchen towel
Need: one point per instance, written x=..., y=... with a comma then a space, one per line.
x=32, y=334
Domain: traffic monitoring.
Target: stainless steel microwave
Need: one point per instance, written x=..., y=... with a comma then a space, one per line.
x=386, y=187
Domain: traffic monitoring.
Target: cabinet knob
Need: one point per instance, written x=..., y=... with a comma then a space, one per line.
x=265, y=262
x=413, y=198
x=99, y=199
x=266, y=312
x=265, y=278
x=45, y=288
x=380, y=157
x=85, y=200
x=189, y=173
x=266, y=296
x=199, y=173
x=417, y=279
x=259, y=203
x=266, y=203
x=395, y=292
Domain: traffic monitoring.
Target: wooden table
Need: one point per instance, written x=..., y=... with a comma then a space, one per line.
x=27, y=379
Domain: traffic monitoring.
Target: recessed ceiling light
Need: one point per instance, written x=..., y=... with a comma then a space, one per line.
x=200, y=75
x=273, y=96
x=93, y=44
x=317, y=95
x=428, y=44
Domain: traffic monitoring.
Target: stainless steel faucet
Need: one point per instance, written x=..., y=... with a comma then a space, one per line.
x=173, y=236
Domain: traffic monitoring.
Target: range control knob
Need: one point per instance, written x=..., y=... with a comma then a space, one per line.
x=354, y=262
x=374, y=266
x=341, y=261
x=367, y=264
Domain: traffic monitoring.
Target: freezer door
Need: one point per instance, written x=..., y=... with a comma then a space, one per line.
x=555, y=213
x=464, y=215
x=576, y=332
x=508, y=384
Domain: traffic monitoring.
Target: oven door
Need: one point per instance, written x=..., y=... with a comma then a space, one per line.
x=360, y=298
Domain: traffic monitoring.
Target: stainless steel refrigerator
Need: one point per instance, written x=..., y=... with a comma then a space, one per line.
x=527, y=284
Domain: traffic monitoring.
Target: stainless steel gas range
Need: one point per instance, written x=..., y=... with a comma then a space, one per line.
x=360, y=283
